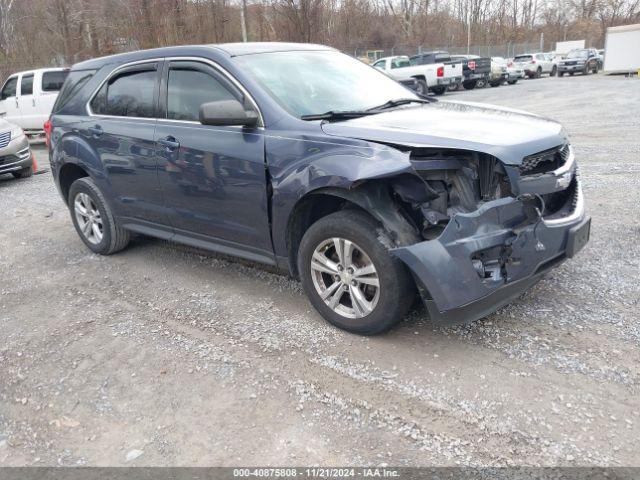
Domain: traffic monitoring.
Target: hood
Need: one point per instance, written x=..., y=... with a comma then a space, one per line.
x=505, y=133
x=4, y=125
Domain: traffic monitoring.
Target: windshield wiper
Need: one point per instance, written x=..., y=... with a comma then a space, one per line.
x=398, y=102
x=337, y=115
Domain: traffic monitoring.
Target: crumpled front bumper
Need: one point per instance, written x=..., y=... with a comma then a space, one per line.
x=523, y=249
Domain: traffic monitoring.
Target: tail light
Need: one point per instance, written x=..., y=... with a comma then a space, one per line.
x=510, y=64
x=471, y=65
x=440, y=71
x=47, y=133
x=533, y=61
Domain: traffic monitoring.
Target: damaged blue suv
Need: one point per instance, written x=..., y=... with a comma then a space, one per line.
x=304, y=158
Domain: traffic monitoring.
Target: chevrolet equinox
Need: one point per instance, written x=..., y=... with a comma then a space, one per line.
x=303, y=158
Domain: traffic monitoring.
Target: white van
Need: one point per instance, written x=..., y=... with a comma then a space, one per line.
x=27, y=98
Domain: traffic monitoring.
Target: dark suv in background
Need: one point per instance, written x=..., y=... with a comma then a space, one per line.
x=581, y=60
x=304, y=158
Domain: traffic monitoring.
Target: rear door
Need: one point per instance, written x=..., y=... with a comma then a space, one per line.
x=27, y=103
x=9, y=101
x=120, y=130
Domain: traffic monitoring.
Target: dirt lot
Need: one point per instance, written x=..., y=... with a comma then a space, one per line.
x=163, y=355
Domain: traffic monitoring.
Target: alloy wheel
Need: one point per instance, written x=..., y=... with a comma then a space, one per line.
x=345, y=278
x=88, y=218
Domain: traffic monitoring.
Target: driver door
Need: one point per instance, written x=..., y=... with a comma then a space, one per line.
x=213, y=178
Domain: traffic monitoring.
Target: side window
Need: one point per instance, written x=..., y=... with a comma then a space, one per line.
x=52, y=81
x=73, y=84
x=189, y=87
x=26, y=85
x=379, y=64
x=9, y=89
x=128, y=94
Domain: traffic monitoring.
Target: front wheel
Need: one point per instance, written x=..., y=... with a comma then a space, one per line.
x=93, y=219
x=554, y=70
x=349, y=275
x=421, y=87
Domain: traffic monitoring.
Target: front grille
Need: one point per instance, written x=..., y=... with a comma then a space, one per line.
x=545, y=161
x=5, y=138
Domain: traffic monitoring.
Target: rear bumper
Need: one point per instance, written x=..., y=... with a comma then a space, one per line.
x=514, y=253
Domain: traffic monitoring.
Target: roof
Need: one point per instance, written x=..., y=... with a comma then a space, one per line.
x=250, y=48
x=230, y=49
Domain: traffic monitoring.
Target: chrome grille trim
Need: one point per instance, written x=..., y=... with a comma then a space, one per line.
x=557, y=158
x=5, y=138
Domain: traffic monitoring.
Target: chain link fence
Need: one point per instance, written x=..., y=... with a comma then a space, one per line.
x=507, y=50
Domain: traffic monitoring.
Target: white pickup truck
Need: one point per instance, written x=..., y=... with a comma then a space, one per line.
x=428, y=77
x=27, y=98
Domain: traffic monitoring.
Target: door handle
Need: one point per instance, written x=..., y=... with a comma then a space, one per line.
x=96, y=131
x=169, y=143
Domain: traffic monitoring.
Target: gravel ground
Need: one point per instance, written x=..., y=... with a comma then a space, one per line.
x=165, y=355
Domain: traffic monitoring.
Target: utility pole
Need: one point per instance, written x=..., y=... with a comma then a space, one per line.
x=468, y=30
x=542, y=41
x=243, y=20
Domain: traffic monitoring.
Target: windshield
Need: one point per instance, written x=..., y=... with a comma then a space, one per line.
x=307, y=83
x=577, y=54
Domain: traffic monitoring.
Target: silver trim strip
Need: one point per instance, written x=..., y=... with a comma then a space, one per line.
x=577, y=213
x=204, y=60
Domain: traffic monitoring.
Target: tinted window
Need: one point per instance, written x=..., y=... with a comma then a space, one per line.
x=443, y=58
x=189, y=88
x=9, y=89
x=523, y=58
x=26, y=85
x=52, y=81
x=129, y=94
x=72, y=85
x=400, y=63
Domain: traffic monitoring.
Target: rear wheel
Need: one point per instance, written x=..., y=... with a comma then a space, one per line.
x=349, y=275
x=554, y=70
x=512, y=82
x=539, y=72
x=24, y=173
x=439, y=90
x=94, y=219
x=481, y=83
x=469, y=84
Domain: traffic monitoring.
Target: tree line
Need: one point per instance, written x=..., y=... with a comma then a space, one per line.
x=37, y=33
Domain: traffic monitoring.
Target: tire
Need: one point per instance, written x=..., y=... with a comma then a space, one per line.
x=560, y=74
x=114, y=238
x=539, y=72
x=512, y=82
x=571, y=73
x=495, y=84
x=421, y=87
x=482, y=83
x=24, y=173
x=585, y=70
x=469, y=84
x=439, y=90
x=396, y=290
x=554, y=71
x=595, y=69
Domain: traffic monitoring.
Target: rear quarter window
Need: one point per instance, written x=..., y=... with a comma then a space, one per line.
x=53, y=81
x=73, y=84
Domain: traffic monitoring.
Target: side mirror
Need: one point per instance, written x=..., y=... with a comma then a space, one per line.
x=227, y=113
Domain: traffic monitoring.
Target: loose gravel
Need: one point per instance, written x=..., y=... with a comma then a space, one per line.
x=166, y=355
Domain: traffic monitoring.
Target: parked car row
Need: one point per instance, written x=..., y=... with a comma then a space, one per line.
x=437, y=71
